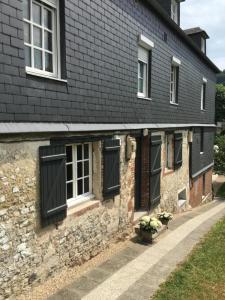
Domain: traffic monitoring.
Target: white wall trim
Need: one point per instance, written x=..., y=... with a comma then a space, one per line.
x=176, y=61
x=145, y=42
x=17, y=128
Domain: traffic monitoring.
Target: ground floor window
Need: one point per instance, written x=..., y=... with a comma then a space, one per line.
x=169, y=151
x=78, y=172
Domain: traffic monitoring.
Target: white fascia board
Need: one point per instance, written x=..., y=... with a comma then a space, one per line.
x=145, y=42
x=176, y=61
x=204, y=80
x=16, y=128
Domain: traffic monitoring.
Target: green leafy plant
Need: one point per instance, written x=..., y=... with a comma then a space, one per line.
x=150, y=224
x=165, y=216
x=219, y=154
x=220, y=102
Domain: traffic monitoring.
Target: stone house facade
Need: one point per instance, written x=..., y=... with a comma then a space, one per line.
x=106, y=114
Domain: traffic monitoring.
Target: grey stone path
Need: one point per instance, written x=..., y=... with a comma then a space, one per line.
x=137, y=271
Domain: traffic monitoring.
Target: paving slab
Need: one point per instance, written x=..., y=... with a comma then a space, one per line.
x=124, y=276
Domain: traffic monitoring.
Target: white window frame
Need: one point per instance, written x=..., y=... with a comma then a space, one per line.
x=77, y=199
x=145, y=62
x=176, y=62
x=173, y=85
x=174, y=11
x=203, y=45
x=203, y=94
x=53, y=6
x=169, y=151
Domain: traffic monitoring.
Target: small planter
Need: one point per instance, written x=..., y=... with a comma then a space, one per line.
x=146, y=236
x=165, y=222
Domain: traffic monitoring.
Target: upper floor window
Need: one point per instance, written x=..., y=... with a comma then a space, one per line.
x=201, y=140
x=203, y=94
x=173, y=85
x=174, y=80
x=174, y=11
x=41, y=36
x=203, y=45
x=79, y=172
x=143, y=67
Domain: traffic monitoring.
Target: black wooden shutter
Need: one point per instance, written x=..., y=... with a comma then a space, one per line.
x=178, y=142
x=155, y=170
x=53, y=183
x=111, y=178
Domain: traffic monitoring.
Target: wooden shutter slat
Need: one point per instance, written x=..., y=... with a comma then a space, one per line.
x=178, y=143
x=52, y=183
x=111, y=184
x=155, y=170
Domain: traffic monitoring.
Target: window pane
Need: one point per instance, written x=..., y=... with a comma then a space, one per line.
x=27, y=33
x=48, y=41
x=79, y=170
x=26, y=9
x=69, y=188
x=141, y=69
x=141, y=85
x=48, y=62
x=69, y=154
x=79, y=187
x=38, y=59
x=37, y=35
x=36, y=13
x=69, y=171
x=86, y=151
x=86, y=168
x=47, y=19
x=28, y=56
x=79, y=152
x=86, y=185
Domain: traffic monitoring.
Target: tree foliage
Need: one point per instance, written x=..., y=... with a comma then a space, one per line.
x=219, y=157
x=220, y=103
x=221, y=78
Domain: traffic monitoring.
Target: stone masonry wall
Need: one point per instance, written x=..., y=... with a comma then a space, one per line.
x=173, y=182
x=30, y=254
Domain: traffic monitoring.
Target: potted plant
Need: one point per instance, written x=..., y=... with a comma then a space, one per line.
x=165, y=217
x=149, y=226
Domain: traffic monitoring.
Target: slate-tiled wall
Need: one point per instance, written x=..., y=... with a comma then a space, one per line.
x=101, y=69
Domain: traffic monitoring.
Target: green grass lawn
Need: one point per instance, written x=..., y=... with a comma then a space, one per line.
x=202, y=275
x=221, y=191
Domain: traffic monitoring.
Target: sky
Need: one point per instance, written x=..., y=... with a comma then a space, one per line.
x=210, y=16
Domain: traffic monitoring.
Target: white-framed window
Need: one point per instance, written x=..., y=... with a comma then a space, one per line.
x=174, y=11
x=143, y=66
x=79, y=172
x=203, y=48
x=174, y=84
x=203, y=95
x=169, y=151
x=41, y=37
x=201, y=140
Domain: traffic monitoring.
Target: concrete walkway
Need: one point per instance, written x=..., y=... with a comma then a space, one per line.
x=137, y=271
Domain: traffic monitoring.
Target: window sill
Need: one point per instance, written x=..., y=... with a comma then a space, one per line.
x=203, y=110
x=176, y=104
x=82, y=199
x=82, y=208
x=168, y=172
x=201, y=153
x=144, y=98
x=45, y=76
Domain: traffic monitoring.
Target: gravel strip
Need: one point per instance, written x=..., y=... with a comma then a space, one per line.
x=68, y=275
